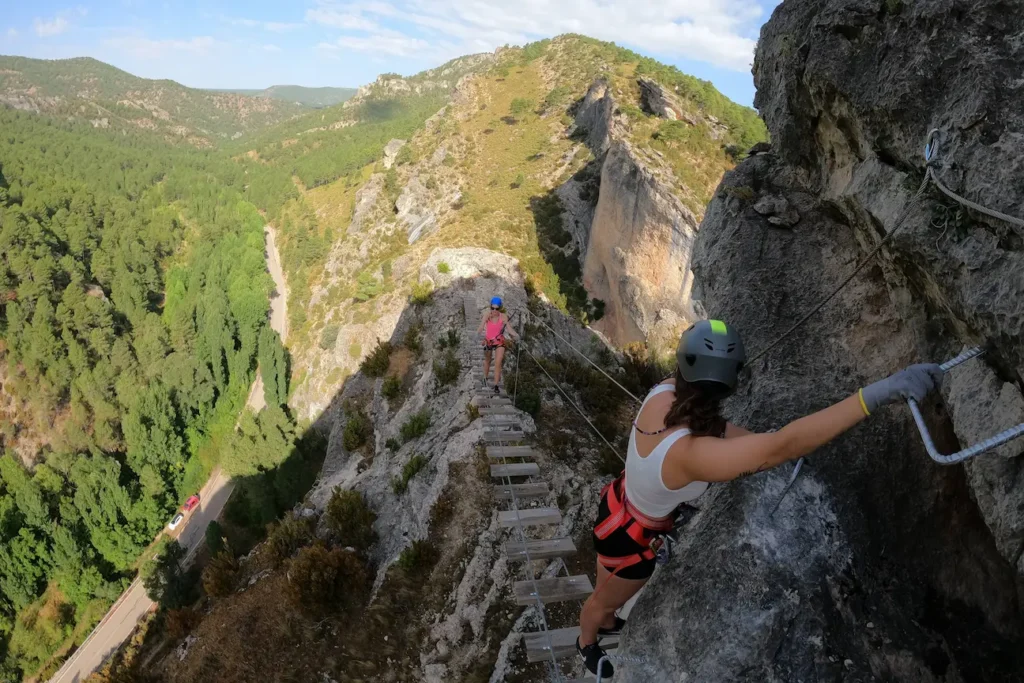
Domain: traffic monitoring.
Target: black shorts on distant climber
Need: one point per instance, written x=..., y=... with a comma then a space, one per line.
x=680, y=442
x=494, y=326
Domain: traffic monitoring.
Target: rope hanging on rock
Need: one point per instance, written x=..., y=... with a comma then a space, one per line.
x=931, y=156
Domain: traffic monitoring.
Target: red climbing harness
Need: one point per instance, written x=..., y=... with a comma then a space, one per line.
x=624, y=515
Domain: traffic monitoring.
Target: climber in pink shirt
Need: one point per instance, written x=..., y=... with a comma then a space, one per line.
x=494, y=326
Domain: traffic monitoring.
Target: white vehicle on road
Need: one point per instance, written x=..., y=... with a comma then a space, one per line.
x=176, y=521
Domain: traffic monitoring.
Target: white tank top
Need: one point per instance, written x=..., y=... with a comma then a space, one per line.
x=644, y=486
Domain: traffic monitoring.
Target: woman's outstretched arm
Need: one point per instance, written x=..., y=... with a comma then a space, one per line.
x=712, y=459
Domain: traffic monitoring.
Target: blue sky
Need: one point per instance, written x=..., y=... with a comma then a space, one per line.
x=347, y=43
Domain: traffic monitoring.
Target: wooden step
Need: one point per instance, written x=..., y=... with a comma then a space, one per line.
x=501, y=435
x=516, y=469
x=522, y=452
x=529, y=517
x=559, y=589
x=522, y=491
x=499, y=421
x=539, y=549
x=502, y=409
x=493, y=401
x=562, y=641
x=511, y=452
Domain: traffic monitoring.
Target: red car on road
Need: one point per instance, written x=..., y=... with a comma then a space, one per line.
x=190, y=504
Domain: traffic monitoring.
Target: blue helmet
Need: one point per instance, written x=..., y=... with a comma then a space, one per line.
x=496, y=301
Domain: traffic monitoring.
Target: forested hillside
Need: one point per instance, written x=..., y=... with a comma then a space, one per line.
x=311, y=97
x=133, y=304
x=106, y=97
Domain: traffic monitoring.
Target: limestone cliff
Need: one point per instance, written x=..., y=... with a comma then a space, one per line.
x=638, y=238
x=880, y=564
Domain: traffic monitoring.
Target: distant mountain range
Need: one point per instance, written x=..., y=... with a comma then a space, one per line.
x=310, y=97
x=88, y=89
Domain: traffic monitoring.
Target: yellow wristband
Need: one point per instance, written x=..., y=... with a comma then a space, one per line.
x=860, y=395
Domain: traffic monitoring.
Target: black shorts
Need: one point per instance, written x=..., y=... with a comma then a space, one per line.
x=621, y=544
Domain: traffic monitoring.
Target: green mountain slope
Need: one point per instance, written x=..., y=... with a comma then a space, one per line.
x=90, y=90
x=310, y=97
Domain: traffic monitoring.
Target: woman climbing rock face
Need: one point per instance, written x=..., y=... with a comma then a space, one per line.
x=680, y=443
x=494, y=326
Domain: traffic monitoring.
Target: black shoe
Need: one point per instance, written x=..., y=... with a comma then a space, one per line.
x=614, y=630
x=591, y=656
x=497, y=391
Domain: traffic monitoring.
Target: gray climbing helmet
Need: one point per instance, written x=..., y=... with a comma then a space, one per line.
x=711, y=355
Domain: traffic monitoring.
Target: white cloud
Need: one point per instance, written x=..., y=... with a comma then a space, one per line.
x=720, y=32
x=385, y=43
x=270, y=47
x=54, y=27
x=147, y=48
x=336, y=19
x=12, y=33
x=273, y=26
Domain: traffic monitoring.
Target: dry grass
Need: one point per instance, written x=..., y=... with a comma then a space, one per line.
x=401, y=360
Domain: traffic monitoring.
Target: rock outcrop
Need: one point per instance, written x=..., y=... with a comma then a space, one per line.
x=880, y=564
x=391, y=151
x=640, y=236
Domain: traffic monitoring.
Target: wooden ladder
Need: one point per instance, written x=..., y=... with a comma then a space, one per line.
x=520, y=498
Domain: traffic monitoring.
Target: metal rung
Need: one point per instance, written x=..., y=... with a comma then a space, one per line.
x=561, y=642
x=522, y=491
x=539, y=548
x=971, y=451
x=529, y=517
x=502, y=452
x=559, y=589
x=499, y=435
x=516, y=469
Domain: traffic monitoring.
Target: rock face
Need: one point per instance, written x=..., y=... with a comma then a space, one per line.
x=391, y=151
x=656, y=100
x=880, y=564
x=640, y=235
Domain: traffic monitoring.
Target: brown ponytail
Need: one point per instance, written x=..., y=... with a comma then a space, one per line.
x=695, y=408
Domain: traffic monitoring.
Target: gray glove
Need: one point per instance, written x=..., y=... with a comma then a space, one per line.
x=915, y=382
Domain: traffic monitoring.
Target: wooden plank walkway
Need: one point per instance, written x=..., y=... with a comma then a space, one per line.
x=522, y=491
x=501, y=429
x=526, y=454
x=511, y=452
x=561, y=641
x=499, y=409
x=516, y=469
x=558, y=589
x=539, y=548
x=503, y=435
x=529, y=517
